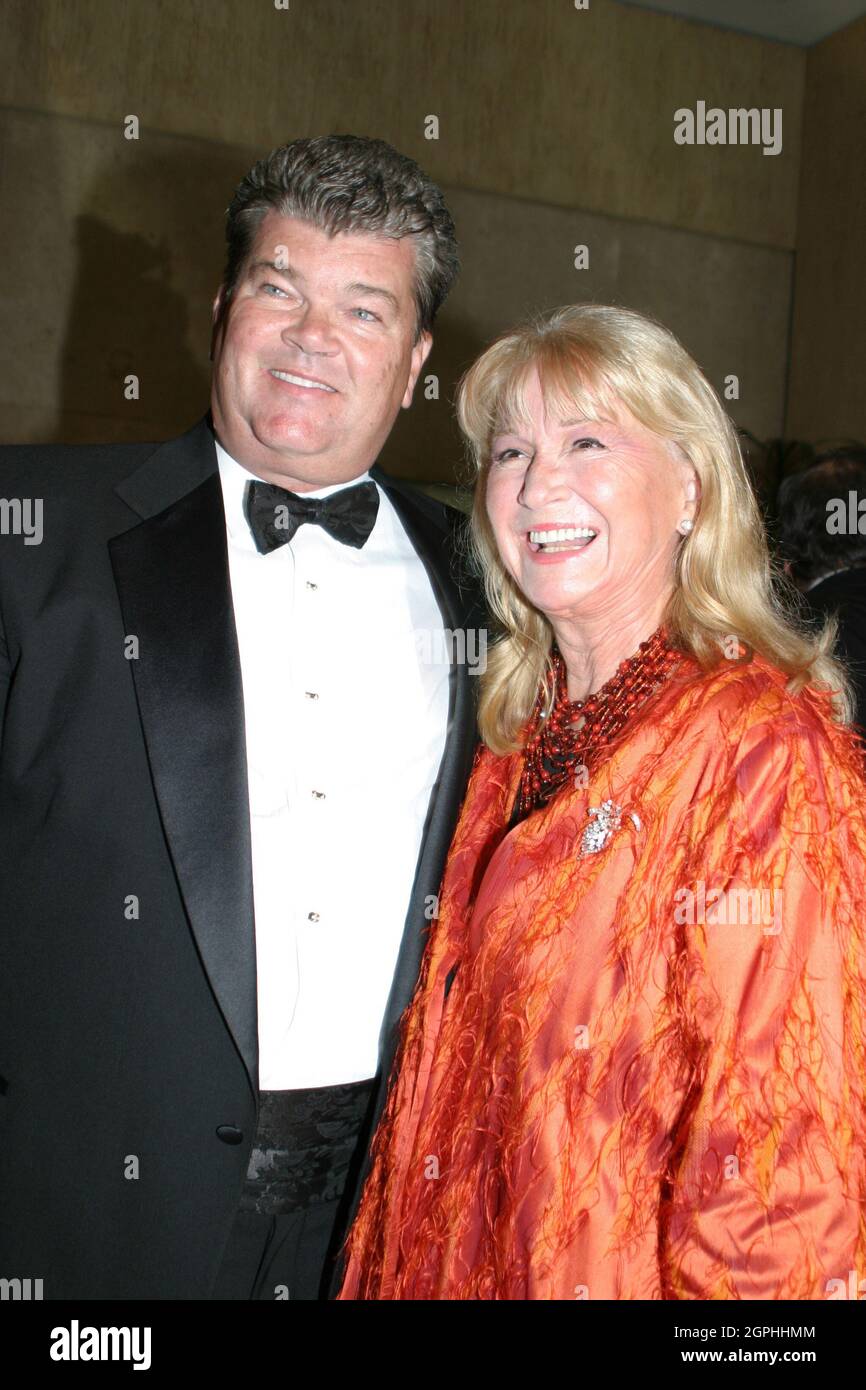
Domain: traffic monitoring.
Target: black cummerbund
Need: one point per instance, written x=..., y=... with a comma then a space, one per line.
x=304, y=1144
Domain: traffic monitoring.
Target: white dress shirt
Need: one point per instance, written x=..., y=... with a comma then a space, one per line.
x=346, y=689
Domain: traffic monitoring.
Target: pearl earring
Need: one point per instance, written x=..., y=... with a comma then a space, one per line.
x=685, y=525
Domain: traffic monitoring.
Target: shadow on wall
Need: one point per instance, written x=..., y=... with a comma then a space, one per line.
x=128, y=333
x=148, y=257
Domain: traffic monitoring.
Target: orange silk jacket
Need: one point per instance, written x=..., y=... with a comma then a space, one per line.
x=647, y=1079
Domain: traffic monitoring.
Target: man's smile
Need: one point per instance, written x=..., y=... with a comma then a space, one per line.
x=307, y=383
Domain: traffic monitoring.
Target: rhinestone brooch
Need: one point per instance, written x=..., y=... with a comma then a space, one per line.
x=606, y=820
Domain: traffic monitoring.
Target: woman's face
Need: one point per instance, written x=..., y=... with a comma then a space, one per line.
x=622, y=488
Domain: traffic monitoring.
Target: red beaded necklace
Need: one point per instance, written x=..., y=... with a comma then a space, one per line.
x=578, y=731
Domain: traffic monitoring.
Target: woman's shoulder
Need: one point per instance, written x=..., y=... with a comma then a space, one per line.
x=753, y=688
x=740, y=704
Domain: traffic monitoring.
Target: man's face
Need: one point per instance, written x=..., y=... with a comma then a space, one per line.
x=335, y=312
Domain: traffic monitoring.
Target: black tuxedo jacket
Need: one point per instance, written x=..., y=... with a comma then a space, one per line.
x=128, y=1031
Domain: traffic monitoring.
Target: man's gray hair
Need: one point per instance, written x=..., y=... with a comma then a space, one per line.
x=349, y=183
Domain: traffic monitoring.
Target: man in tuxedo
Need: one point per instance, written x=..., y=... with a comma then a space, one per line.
x=237, y=726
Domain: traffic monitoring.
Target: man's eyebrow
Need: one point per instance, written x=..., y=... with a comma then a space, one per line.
x=288, y=270
x=358, y=287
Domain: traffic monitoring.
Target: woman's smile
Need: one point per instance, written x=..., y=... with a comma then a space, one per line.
x=548, y=544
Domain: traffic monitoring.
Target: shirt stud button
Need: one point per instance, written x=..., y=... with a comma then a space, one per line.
x=230, y=1134
x=312, y=916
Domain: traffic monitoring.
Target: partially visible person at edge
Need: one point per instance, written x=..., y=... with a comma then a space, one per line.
x=825, y=551
x=634, y=1064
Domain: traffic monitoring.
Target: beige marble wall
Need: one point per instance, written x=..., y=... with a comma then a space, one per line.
x=555, y=127
x=534, y=97
x=727, y=301
x=113, y=255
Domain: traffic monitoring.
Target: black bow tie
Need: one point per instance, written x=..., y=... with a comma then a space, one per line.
x=275, y=514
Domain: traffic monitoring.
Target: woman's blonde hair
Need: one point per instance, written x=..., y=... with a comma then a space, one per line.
x=591, y=360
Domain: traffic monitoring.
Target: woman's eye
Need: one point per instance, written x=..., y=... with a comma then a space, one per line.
x=589, y=443
x=505, y=454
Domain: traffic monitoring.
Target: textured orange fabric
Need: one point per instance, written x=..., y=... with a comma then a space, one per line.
x=643, y=1083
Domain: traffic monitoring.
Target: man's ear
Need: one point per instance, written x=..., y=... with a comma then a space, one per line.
x=420, y=353
x=217, y=319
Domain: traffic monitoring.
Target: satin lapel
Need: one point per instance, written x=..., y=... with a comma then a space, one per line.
x=172, y=578
x=459, y=610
